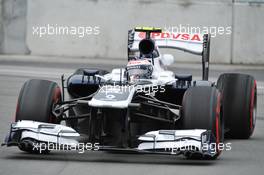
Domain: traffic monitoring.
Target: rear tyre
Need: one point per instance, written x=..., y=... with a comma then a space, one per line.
x=202, y=110
x=36, y=101
x=239, y=104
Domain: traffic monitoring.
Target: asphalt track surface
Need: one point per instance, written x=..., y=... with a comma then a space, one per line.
x=246, y=156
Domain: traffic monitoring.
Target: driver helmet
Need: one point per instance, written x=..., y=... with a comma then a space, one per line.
x=139, y=69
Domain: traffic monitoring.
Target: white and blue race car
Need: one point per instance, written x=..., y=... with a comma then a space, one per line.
x=140, y=108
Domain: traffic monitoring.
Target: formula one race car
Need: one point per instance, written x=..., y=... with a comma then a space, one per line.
x=141, y=108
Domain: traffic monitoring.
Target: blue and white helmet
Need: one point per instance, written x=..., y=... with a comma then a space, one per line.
x=139, y=69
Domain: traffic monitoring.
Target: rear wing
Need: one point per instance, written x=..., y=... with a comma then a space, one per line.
x=198, y=44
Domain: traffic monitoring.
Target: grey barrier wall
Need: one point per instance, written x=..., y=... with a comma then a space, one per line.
x=248, y=46
x=110, y=19
x=13, y=26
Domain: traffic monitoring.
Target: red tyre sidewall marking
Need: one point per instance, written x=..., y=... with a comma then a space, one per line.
x=217, y=123
x=55, y=99
x=252, y=104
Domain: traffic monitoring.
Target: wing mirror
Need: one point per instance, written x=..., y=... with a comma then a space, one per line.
x=167, y=59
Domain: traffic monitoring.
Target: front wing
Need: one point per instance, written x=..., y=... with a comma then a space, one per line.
x=173, y=142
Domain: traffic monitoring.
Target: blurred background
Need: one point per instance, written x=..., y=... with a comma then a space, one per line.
x=113, y=18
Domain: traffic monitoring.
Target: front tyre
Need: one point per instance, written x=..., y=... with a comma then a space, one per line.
x=36, y=100
x=202, y=109
x=239, y=104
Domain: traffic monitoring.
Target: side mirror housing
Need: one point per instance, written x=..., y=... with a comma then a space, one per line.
x=167, y=59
